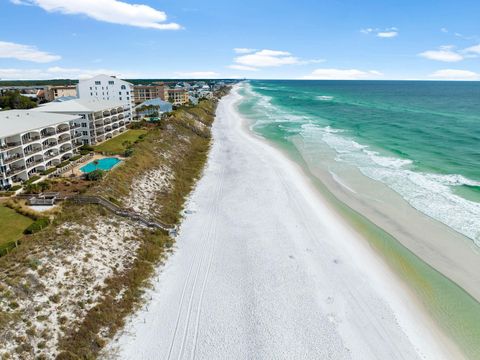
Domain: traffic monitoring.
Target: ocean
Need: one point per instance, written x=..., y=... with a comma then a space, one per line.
x=401, y=147
x=421, y=139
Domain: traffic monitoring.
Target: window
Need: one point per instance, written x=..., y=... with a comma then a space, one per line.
x=123, y=87
x=84, y=124
x=90, y=88
x=119, y=93
x=128, y=92
x=98, y=83
x=111, y=82
x=91, y=94
x=84, y=133
x=120, y=98
x=128, y=98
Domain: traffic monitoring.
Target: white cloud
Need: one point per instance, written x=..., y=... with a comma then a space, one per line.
x=444, y=53
x=242, y=67
x=342, y=74
x=244, y=50
x=198, y=74
x=267, y=58
x=390, y=32
x=111, y=11
x=387, y=34
x=57, y=72
x=444, y=30
x=25, y=52
x=472, y=50
x=454, y=74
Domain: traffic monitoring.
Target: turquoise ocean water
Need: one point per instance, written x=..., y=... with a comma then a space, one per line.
x=421, y=139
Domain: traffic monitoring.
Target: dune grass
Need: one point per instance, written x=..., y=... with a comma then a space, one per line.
x=119, y=144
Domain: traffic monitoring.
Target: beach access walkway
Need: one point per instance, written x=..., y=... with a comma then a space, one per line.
x=117, y=210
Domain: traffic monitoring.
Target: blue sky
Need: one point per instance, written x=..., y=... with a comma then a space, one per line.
x=311, y=39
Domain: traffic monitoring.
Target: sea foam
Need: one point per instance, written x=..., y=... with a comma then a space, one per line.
x=429, y=193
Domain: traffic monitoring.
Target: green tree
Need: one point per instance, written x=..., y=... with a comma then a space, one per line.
x=10, y=100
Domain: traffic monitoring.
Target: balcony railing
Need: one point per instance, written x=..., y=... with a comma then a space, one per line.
x=33, y=163
x=15, y=170
x=61, y=141
x=74, y=126
x=12, y=158
x=12, y=144
x=51, y=133
x=65, y=150
x=62, y=130
x=30, y=140
x=49, y=145
x=33, y=151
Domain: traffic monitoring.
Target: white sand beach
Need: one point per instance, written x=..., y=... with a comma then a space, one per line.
x=265, y=269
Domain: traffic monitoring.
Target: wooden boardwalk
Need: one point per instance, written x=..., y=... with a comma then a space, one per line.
x=117, y=210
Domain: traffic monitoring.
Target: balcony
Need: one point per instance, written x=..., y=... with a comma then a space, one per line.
x=33, y=150
x=14, y=170
x=49, y=145
x=75, y=126
x=11, y=145
x=98, y=123
x=30, y=139
x=62, y=128
x=48, y=134
x=64, y=140
x=11, y=158
x=34, y=163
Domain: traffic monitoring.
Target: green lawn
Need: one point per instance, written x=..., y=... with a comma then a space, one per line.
x=12, y=225
x=116, y=145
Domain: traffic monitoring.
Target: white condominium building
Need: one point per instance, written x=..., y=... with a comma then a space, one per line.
x=33, y=141
x=104, y=87
x=101, y=119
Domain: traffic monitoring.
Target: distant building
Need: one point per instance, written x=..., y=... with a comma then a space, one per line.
x=53, y=92
x=33, y=141
x=101, y=119
x=163, y=107
x=108, y=88
x=144, y=93
x=177, y=96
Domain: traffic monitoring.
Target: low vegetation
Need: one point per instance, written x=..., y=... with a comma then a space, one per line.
x=13, y=225
x=86, y=240
x=10, y=100
x=119, y=144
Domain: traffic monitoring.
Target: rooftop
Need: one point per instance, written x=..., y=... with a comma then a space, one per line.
x=14, y=122
x=77, y=106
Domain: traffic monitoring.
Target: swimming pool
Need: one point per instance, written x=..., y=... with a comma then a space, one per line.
x=104, y=164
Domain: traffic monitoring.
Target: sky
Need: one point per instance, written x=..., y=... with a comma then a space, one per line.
x=265, y=39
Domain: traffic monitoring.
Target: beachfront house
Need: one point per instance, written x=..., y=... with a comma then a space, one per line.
x=34, y=141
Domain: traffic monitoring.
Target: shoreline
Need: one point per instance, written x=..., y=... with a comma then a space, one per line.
x=453, y=311
x=326, y=257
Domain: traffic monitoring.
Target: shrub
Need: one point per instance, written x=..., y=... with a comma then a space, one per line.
x=15, y=188
x=6, y=193
x=95, y=175
x=75, y=158
x=63, y=164
x=48, y=171
x=37, y=226
x=32, y=179
x=87, y=148
x=128, y=152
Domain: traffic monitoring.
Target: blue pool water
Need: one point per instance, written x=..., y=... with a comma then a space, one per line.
x=104, y=164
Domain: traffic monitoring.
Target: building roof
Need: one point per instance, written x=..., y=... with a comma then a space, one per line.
x=103, y=77
x=14, y=122
x=79, y=106
x=65, y=98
